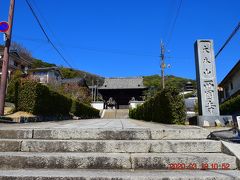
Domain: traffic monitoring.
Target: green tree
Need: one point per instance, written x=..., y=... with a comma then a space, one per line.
x=13, y=87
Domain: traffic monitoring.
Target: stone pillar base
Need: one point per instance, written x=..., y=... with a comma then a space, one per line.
x=213, y=121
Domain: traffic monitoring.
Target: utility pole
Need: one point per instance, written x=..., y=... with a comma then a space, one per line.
x=5, y=61
x=97, y=91
x=92, y=91
x=162, y=57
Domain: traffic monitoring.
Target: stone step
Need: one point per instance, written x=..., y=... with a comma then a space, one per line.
x=95, y=174
x=22, y=160
x=110, y=146
x=16, y=133
x=105, y=134
x=183, y=161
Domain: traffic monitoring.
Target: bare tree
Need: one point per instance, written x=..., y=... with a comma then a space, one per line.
x=22, y=51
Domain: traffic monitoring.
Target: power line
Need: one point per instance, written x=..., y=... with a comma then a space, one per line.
x=228, y=40
x=174, y=23
x=50, y=29
x=92, y=49
x=43, y=18
x=44, y=32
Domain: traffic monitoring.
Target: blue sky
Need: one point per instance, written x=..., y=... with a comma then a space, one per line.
x=118, y=38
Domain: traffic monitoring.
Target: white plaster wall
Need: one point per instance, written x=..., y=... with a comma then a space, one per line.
x=134, y=104
x=97, y=105
x=51, y=77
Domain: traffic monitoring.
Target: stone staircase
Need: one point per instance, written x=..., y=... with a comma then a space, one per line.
x=109, y=114
x=122, y=113
x=115, y=113
x=116, y=154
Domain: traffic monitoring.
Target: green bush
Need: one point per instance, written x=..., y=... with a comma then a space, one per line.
x=230, y=106
x=83, y=111
x=13, y=90
x=37, y=99
x=33, y=97
x=13, y=87
x=166, y=106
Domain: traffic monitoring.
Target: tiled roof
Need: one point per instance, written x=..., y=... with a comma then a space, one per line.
x=123, y=83
x=79, y=81
x=74, y=80
x=45, y=69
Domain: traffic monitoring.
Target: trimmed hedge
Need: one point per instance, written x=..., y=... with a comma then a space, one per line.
x=13, y=86
x=84, y=111
x=13, y=90
x=38, y=99
x=231, y=106
x=167, y=106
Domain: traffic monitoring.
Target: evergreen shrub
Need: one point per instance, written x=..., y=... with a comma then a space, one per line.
x=167, y=106
x=231, y=106
x=83, y=111
x=37, y=99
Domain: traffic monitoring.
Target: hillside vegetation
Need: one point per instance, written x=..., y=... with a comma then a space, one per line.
x=70, y=73
x=155, y=81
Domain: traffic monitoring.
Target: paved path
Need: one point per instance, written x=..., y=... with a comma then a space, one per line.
x=97, y=123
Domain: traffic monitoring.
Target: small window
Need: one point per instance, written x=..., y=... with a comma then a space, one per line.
x=231, y=85
x=139, y=85
x=105, y=86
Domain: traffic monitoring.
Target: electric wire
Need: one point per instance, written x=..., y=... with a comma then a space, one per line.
x=44, y=32
x=228, y=40
x=174, y=23
x=59, y=44
x=92, y=49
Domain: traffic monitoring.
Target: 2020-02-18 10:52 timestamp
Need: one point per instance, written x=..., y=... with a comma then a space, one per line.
x=223, y=166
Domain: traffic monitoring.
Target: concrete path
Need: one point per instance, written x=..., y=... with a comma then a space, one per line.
x=97, y=123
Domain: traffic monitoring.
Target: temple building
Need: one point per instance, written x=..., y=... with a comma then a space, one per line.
x=119, y=92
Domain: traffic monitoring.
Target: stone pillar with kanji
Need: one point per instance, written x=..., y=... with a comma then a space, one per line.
x=208, y=103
